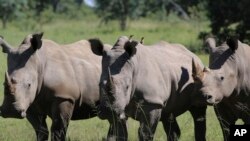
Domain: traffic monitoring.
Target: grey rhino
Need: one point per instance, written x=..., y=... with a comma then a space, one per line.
x=45, y=78
x=226, y=82
x=148, y=83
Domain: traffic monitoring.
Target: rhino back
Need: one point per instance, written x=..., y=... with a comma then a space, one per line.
x=169, y=70
x=72, y=71
x=182, y=90
x=176, y=59
x=243, y=66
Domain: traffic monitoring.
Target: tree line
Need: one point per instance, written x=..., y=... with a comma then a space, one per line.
x=227, y=17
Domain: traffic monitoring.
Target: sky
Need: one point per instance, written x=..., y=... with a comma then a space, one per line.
x=90, y=3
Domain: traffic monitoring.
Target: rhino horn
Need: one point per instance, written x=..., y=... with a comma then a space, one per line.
x=6, y=48
x=7, y=78
x=110, y=82
x=206, y=69
x=197, y=72
x=211, y=44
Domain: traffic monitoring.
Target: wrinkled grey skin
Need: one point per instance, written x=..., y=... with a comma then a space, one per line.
x=226, y=83
x=149, y=84
x=45, y=78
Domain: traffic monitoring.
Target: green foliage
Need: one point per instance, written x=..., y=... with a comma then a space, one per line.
x=43, y=11
x=144, y=8
x=230, y=18
x=121, y=10
x=39, y=13
x=10, y=9
x=114, y=9
x=73, y=9
x=197, y=11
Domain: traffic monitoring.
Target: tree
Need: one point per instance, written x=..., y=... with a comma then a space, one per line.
x=40, y=5
x=123, y=9
x=230, y=17
x=11, y=8
x=113, y=10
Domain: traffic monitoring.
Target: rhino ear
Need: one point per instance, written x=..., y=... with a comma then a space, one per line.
x=97, y=46
x=36, y=41
x=232, y=42
x=210, y=44
x=130, y=47
x=6, y=48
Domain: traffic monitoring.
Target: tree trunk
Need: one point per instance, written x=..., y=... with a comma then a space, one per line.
x=164, y=10
x=4, y=21
x=181, y=12
x=124, y=15
x=55, y=5
x=123, y=23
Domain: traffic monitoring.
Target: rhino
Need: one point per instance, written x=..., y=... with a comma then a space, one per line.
x=44, y=79
x=150, y=84
x=226, y=82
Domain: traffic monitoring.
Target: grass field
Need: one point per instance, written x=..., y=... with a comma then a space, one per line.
x=67, y=31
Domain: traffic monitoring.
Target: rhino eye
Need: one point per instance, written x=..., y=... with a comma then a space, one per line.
x=127, y=87
x=13, y=81
x=221, y=78
x=28, y=85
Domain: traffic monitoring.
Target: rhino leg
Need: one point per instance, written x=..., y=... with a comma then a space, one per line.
x=171, y=127
x=39, y=124
x=61, y=114
x=226, y=118
x=118, y=130
x=199, y=116
x=149, y=119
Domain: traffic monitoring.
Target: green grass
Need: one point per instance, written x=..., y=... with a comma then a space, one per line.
x=67, y=31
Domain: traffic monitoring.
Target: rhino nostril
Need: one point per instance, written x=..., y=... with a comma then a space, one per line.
x=209, y=97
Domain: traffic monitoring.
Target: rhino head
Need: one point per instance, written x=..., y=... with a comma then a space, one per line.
x=21, y=77
x=220, y=79
x=116, y=82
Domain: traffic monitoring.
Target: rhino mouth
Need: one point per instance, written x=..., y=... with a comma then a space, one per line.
x=108, y=112
x=12, y=113
x=23, y=114
x=212, y=102
x=103, y=112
